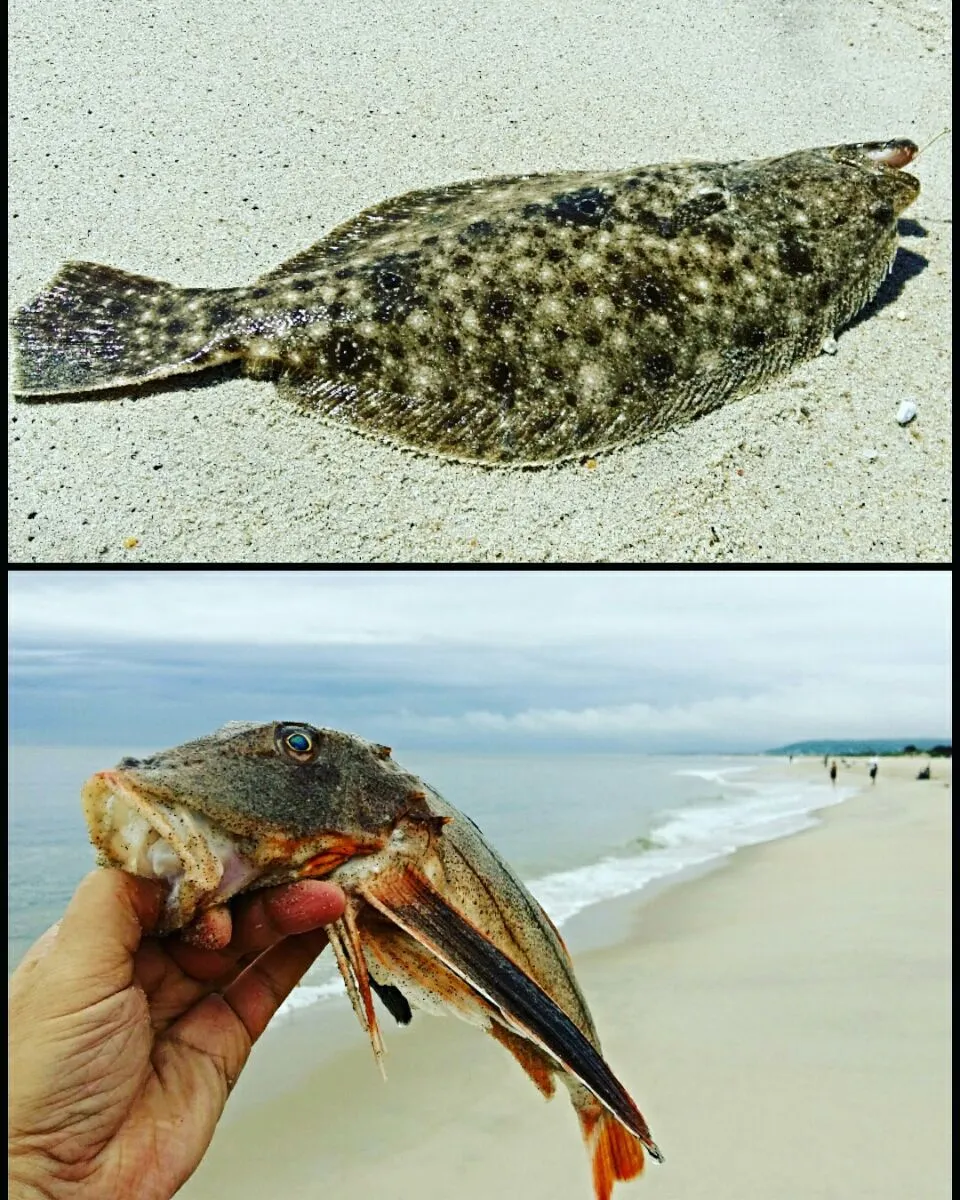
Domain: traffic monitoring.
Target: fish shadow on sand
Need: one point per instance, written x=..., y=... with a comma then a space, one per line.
x=908, y=227
x=906, y=266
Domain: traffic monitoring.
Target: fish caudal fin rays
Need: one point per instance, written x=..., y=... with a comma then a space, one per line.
x=614, y=1153
x=95, y=327
x=410, y=901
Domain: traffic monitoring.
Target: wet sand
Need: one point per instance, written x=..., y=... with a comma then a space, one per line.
x=782, y=1022
x=206, y=145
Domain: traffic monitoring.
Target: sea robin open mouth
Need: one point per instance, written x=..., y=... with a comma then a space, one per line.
x=200, y=864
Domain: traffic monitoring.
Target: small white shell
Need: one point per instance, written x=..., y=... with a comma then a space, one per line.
x=870, y=455
x=830, y=346
x=906, y=412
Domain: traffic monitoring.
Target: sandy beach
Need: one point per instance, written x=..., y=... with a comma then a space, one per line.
x=783, y=1023
x=207, y=144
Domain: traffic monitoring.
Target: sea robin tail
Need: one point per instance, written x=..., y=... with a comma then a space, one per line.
x=615, y=1153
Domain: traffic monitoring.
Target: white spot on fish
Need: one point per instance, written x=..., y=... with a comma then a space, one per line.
x=590, y=376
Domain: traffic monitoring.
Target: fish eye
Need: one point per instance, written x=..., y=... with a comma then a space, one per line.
x=297, y=742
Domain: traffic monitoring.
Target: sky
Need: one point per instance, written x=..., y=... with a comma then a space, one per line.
x=644, y=661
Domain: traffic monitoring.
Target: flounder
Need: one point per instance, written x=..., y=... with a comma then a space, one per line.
x=519, y=319
x=435, y=918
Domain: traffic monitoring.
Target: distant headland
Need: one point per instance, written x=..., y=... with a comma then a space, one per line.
x=877, y=746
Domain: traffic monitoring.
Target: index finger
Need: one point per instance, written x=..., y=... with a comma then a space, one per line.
x=260, y=921
x=280, y=912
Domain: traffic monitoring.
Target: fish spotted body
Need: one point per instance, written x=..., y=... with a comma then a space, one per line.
x=522, y=319
x=434, y=917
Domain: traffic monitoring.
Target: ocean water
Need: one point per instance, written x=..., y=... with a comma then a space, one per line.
x=578, y=829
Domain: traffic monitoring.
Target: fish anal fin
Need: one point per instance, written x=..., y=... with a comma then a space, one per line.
x=614, y=1152
x=534, y=1061
x=418, y=420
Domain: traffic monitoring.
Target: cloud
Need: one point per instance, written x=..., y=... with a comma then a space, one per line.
x=809, y=710
x=738, y=658
x=766, y=611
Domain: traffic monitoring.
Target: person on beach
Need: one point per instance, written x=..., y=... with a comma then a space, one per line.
x=123, y=1048
x=833, y=772
x=873, y=769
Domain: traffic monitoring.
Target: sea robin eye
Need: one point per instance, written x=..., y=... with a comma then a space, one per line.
x=296, y=741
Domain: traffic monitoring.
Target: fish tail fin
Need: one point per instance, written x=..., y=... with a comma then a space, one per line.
x=615, y=1153
x=96, y=327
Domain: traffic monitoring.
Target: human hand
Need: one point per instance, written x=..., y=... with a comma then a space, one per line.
x=124, y=1047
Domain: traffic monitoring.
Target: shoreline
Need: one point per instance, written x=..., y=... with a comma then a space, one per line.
x=782, y=1021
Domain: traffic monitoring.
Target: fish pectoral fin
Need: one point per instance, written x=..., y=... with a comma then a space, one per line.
x=409, y=900
x=538, y=1066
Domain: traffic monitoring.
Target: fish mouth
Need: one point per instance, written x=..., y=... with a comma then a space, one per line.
x=885, y=160
x=199, y=863
x=894, y=154
x=891, y=157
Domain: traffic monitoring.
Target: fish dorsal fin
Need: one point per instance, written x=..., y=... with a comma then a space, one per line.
x=391, y=219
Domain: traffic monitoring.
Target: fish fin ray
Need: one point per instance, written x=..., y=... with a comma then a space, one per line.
x=399, y=418
x=537, y=1065
x=614, y=1152
x=95, y=327
x=410, y=901
x=345, y=942
x=391, y=216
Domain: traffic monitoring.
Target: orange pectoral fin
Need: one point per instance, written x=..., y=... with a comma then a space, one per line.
x=530, y=1057
x=411, y=902
x=338, y=850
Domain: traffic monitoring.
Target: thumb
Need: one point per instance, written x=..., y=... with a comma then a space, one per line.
x=91, y=950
